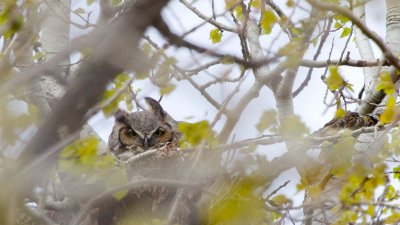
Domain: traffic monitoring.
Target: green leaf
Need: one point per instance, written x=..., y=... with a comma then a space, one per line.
x=334, y=80
x=109, y=109
x=237, y=204
x=118, y=84
x=79, y=11
x=280, y=200
x=256, y=4
x=268, y=20
x=39, y=56
x=293, y=50
x=339, y=155
x=315, y=41
x=387, y=116
x=4, y=15
x=390, y=111
x=215, y=35
x=14, y=26
x=337, y=25
x=115, y=2
x=295, y=31
x=315, y=191
x=394, y=218
x=81, y=157
x=391, y=102
x=167, y=89
x=340, y=113
x=342, y=19
x=33, y=111
x=161, y=76
x=346, y=32
x=293, y=128
x=120, y=194
x=239, y=13
x=121, y=79
x=89, y=2
x=170, y=61
x=195, y=133
x=396, y=173
x=290, y=3
x=230, y=3
x=350, y=87
x=391, y=192
x=147, y=48
x=371, y=211
x=385, y=83
x=141, y=75
x=268, y=120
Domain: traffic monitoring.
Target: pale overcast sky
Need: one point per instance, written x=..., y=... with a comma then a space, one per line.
x=186, y=102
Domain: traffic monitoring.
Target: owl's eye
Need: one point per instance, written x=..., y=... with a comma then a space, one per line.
x=159, y=132
x=127, y=136
x=131, y=133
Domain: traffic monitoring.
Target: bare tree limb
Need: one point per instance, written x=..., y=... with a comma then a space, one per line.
x=131, y=186
x=345, y=12
x=345, y=62
x=106, y=62
x=209, y=19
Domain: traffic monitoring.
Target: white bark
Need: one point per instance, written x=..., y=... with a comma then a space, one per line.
x=54, y=38
x=256, y=51
x=263, y=74
x=367, y=146
x=393, y=25
x=365, y=50
x=55, y=27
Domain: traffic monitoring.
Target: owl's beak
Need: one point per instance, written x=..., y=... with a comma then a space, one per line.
x=145, y=143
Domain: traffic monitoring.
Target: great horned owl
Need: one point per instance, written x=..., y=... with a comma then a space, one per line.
x=137, y=132
x=351, y=121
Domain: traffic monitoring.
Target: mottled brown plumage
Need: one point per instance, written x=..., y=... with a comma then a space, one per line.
x=351, y=121
x=135, y=133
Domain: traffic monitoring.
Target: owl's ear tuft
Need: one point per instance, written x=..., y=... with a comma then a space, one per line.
x=156, y=108
x=120, y=116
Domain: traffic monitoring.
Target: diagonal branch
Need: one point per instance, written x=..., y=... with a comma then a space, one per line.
x=372, y=35
x=131, y=186
x=178, y=41
x=208, y=19
x=104, y=64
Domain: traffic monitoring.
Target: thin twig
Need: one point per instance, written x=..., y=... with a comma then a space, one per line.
x=208, y=19
x=317, y=53
x=372, y=35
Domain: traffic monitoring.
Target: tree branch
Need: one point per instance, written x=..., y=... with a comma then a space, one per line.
x=209, y=19
x=105, y=63
x=365, y=49
x=372, y=35
x=131, y=186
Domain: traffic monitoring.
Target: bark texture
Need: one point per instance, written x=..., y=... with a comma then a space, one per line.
x=110, y=55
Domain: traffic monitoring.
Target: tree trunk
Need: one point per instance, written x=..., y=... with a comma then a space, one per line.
x=369, y=145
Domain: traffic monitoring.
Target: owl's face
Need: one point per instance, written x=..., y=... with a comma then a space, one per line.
x=144, y=130
x=137, y=132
